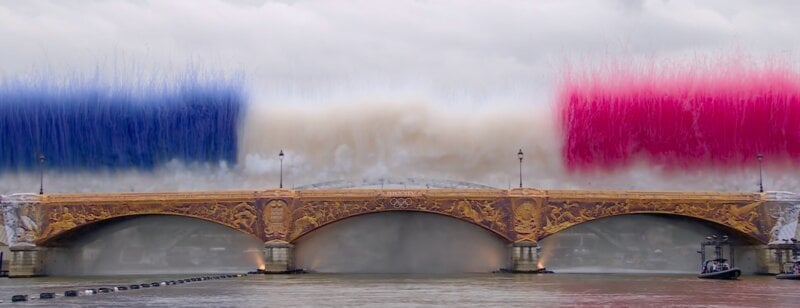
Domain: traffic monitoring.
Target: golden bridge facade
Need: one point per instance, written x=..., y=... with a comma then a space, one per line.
x=280, y=217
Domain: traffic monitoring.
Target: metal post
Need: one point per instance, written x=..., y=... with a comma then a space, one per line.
x=519, y=155
x=702, y=255
x=41, y=174
x=760, y=174
x=280, y=157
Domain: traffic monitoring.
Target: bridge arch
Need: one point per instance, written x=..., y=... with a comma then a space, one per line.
x=642, y=242
x=313, y=209
x=401, y=242
x=56, y=236
x=306, y=231
x=150, y=244
x=749, y=237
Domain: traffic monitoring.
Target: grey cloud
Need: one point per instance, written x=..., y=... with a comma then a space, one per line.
x=447, y=52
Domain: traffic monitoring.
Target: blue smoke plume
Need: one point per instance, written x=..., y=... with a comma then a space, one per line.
x=92, y=123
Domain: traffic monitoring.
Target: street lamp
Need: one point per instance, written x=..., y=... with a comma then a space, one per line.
x=519, y=155
x=280, y=157
x=41, y=174
x=760, y=176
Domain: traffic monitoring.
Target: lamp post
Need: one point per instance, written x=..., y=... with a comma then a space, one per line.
x=760, y=175
x=519, y=155
x=41, y=174
x=280, y=157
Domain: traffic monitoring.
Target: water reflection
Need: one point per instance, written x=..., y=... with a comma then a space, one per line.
x=394, y=290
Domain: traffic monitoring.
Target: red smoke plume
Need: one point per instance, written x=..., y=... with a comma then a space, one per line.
x=702, y=113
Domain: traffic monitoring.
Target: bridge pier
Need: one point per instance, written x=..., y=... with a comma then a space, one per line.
x=525, y=257
x=278, y=257
x=767, y=260
x=27, y=261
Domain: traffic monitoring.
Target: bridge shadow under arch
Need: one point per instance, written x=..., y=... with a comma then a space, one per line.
x=401, y=242
x=63, y=237
x=497, y=233
x=640, y=242
x=150, y=244
x=749, y=238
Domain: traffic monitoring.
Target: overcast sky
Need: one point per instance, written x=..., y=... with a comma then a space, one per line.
x=438, y=52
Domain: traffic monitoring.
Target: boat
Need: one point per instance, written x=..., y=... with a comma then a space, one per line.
x=792, y=271
x=788, y=276
x=289, y=272
x=511, y=271
x=717, y=268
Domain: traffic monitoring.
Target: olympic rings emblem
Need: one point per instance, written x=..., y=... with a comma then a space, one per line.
x=401, y=202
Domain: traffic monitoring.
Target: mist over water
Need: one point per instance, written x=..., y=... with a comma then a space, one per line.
x=637, y=243
x=401, y=242
x=396, y=242
x=155, y=245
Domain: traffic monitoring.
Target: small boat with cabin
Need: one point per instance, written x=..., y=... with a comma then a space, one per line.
x=718, y=267
x=788, y=270
x=792, y=274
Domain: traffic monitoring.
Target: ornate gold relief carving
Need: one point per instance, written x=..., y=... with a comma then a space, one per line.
x=312, y=214
x=517, y=214
x=742, y=216
x=244, y=216
x=60, y=221
x=483, y=212
x=241, y=215
x=276, y=214
x=527, y=216
x=315, y=213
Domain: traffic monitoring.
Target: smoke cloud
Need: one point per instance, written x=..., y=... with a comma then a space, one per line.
x=356, y=142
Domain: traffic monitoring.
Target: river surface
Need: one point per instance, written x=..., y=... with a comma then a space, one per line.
x=477, y=290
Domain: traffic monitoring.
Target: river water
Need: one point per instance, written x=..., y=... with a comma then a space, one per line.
x=372, y=290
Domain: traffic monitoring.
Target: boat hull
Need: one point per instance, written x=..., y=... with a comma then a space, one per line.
x=788, y=276
x=536, y=271
x=733, y=273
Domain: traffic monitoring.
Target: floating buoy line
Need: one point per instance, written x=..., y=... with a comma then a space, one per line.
x=119, y=288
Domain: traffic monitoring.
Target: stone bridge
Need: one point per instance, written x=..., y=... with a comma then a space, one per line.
x=522, y=217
